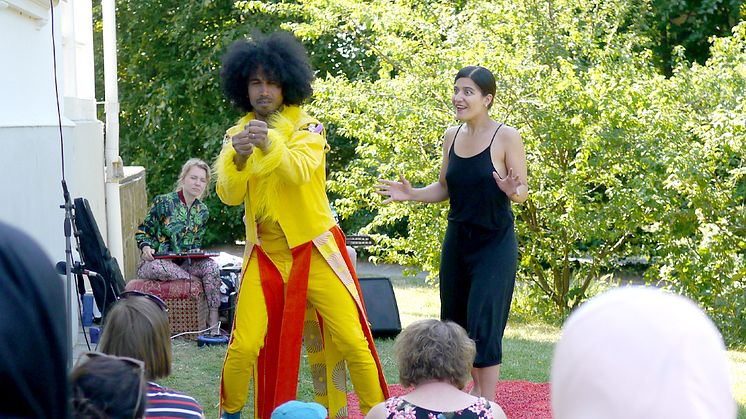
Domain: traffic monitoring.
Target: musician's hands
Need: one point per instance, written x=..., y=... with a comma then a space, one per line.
x=147, y=253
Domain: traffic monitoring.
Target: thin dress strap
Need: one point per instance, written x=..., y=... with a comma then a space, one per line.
x=493, y=135
x=453, y=144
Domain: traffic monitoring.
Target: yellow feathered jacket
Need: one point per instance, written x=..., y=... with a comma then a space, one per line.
x=287, y=184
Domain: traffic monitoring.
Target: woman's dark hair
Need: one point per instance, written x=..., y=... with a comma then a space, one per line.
x=483, y=78
x=280, y=56
x=107, y=388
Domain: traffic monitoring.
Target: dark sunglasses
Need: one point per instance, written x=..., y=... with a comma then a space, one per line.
x=154, y=298
x=137, y=366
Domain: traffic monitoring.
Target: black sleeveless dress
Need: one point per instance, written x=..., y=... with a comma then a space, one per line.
x=479, y=254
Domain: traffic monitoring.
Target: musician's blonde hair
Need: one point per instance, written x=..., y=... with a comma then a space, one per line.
x=187, y=167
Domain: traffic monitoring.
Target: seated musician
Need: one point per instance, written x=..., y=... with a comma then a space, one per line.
x=176, y=224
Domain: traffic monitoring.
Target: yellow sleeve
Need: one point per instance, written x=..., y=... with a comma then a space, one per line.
x=294, y=159
x=230, y=183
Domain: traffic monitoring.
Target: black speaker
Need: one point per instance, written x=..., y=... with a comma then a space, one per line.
x=380, y=303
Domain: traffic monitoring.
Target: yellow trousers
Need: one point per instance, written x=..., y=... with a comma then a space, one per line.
x=336, y=308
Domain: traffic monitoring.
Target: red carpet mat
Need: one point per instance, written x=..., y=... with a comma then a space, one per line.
x=519, y=399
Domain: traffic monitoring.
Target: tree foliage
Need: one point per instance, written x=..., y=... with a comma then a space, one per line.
x=701, y=242
x=608, y=139
x=689, y=25
x=172, y=104
x=623, y=161
x=169, y=88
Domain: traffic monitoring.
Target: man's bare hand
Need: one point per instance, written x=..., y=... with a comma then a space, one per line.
x=254, y=133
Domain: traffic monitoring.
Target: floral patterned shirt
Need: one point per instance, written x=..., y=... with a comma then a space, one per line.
x=171, y=226
x=398, y=408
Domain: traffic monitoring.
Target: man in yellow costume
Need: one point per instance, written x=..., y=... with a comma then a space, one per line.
x=298, y=285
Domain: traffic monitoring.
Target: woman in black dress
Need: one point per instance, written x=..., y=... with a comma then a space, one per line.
x=482, y=173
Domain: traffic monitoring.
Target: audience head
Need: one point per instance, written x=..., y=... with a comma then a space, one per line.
x=640, y=352
x=137, y=327
x=431, y=349
x=185, y=171
x=299, y=410
x=33, y=334
x=108, y=387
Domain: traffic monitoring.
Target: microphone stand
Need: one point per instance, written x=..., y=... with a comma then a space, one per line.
x=68, y=207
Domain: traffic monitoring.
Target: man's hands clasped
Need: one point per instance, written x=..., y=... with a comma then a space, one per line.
x=253, y=135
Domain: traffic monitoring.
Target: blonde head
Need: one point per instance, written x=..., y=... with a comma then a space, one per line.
x=193, y=162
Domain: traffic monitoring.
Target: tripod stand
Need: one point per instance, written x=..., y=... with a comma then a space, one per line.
x=96, y=262
x=68, y=207
x=70, y=267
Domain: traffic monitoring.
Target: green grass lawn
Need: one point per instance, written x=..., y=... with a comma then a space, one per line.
x=528, y=353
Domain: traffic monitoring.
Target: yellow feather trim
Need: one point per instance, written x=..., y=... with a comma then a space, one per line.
x=260, y=167
x=225, y=168
x=266, y=201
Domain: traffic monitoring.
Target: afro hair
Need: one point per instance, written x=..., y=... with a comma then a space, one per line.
x=279, y=55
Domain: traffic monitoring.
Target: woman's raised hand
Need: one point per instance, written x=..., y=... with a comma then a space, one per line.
x=509, y=184
x=395, y=191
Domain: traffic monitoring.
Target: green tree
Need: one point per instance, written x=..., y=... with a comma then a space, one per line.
x=701, y=246
x=578, y=80
x=544, y=88
x=172, y=106
x=622, y=160
x=690, y=24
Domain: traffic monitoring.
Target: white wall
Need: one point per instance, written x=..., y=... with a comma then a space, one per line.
x=26, y=82
x=30, y=150
x=31, y=154
x=31, y=184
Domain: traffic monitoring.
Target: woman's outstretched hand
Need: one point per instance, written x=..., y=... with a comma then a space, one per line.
x=509, y=184
x=395, y=191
